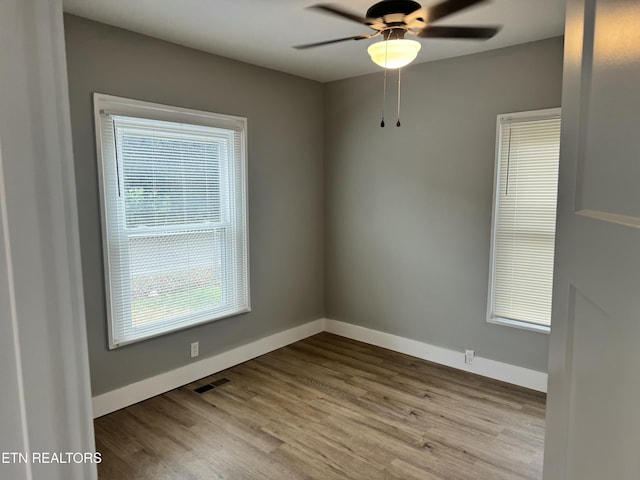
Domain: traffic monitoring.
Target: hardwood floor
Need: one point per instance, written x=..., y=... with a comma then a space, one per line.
x=330, y=408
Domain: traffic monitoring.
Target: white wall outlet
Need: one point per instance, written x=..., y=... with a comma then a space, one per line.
x=468, y=356
x=195, y=349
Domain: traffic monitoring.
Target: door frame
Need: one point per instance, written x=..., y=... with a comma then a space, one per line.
x=40, y=270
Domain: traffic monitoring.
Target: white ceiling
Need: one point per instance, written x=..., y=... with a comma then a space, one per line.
x=262, y=32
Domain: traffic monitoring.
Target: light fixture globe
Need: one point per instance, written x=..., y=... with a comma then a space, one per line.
x=394, y=53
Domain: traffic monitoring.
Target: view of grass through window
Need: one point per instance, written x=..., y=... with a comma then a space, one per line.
x=173, y=303
x=176, y=274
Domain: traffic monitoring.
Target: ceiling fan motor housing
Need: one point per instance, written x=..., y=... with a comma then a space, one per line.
x=389, y=7
x=394, y=33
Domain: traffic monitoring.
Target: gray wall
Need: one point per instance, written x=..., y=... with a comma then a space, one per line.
x=404, y=213
x=408, y=210
x=285, y=133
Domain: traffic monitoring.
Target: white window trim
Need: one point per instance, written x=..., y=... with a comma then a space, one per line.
x=522, y=116
x=154, y=111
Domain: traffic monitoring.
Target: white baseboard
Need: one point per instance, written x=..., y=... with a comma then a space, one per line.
x=505, y=372
x=150, y=387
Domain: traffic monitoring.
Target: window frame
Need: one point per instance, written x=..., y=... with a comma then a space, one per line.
x=120, y=106
x=530, y=115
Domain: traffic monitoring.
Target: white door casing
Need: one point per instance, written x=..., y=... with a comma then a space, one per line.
x=45, y=400
x=593, y=425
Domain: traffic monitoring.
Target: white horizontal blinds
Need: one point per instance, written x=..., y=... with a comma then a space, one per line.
x=525, y=220
x=174, y=200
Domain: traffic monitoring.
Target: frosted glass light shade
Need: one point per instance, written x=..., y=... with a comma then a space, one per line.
x=394, y=53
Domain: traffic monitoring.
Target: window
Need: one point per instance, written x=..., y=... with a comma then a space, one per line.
x=174, y=216
x=524, y=219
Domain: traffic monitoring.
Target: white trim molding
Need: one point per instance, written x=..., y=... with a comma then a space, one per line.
x=485, y=367
x=44, y=365
x=136, y=392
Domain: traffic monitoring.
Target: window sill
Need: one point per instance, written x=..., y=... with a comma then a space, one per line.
x=532, y=327
x=135, y=339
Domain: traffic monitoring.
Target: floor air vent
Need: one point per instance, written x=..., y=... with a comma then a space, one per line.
x=211, y=386
x=204, y=388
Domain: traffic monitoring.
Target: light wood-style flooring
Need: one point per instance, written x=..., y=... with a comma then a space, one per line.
x=329, y=408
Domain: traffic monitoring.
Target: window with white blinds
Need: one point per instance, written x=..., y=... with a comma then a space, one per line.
x=174, y=217
x=524, y=219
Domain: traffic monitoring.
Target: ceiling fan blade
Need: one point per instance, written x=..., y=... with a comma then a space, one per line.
x=480, y=33
x=333, y=10
x=448, y=7
x=328, y=42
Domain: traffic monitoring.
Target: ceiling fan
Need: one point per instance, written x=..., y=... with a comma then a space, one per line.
x=393, y=19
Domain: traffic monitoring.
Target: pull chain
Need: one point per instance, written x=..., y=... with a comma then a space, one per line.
x=398, y=122
x=384, y=85
x=384, y=96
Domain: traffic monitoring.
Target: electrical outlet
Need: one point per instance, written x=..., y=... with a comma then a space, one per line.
x=195, y=349
x=468, y=356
